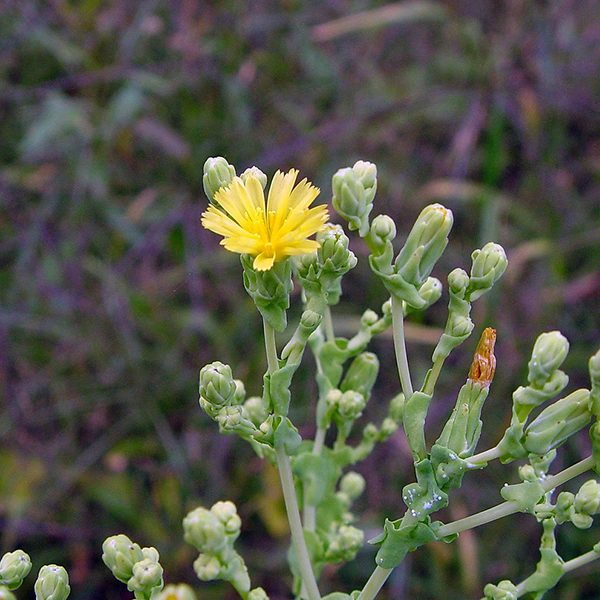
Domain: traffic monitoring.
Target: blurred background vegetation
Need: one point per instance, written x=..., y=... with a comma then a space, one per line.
x=112, y=297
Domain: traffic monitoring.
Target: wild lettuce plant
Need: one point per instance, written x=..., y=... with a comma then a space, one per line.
x=319, y=486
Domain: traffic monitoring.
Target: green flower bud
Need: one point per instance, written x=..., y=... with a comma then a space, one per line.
x=557, y=422
x=361, y=374
x=431, y=291
x=334, y=255
x=257, y=174
x=207, y=567
x=383, y=232
x=257, y=594
x=345, y=544
x=119, y=555
x=388, y=426
x=396, y=409
x=458, y=280
x=350, y=405
x=425, y=243
x=352, y=484
x=488, y=265
x=255, y=410
x=232, y=419
x=218, y=173
x=594, y=367
x=52, y=583
x=6, y=594
x=353, y=192
x=505, y=590
x=549, y=352
x=147, y=575
x=217, y=386
x=179, y=591
x=587, y=499
x=203, y=530
x=14, y=567
x=226, y=512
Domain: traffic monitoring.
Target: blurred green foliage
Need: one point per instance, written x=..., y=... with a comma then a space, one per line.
x=112, y=297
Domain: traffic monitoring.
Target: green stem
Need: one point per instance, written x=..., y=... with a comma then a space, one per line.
x=508, y=508
x=484, y=457
x=309, y=583
x=433, y=376
x=328, y=324
x=584, y=559
x=270, y=347
x=291, y=505
x=374, y=584
x=400, y=346
x=310, y=511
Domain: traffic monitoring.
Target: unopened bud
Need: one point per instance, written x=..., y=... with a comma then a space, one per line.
x=431, y=291
x=203, y=530
x=557, y=422
x=257, y=594
x=334, y=255
x=458, y=280
x=350, y=405
x=218, y=173
x=207, y=567
x=257, y=174
x=488, y=265
x=14, y=567
x=549, y=352
x=119, y=555
x=425, y=244
x=352, y=484
x=587, y=499
x=147, y=575
x=361, y=374
x=353, y=192
x=226, y=512
x=383, y=231
x=217, y=385
x=52, y=583
x=505, y=590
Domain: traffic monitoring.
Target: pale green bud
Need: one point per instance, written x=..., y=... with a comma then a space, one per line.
x=383, y=232
x=52, y=583
x=180, y=591
x=458, y=280
x=353, y=192
x=361, y=374
x=217, y=385
x=557, y=422
x=334, y=255
x=368, y=319
x=431, y=291
x=226, y=512
x=527, y=473
x=460, y=327
x=425, y=244
x=594, y=367
x=505, y=590
x=255, y=410
x=147, y=575
x=549, y=352
x=350, y=405
x=370, y=433
x=207, y=567
x=6, y=594
x=119, y=555
x=257, y=594
x=587, y=499
x=14, y=567
x=388, y=426
x=346, y=543
x=218, y=173
x=352, y=484
x=257, y=174
x=488, y=265
x=396, y=409
x=203, y=530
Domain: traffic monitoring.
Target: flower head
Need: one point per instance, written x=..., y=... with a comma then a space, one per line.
x=269, y=231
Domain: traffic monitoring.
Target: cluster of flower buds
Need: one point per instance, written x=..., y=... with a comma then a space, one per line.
x=138, y=567
x=546, y=380
x=213, y=533
x=320, y=273
x=578, y=508
x=353, y=193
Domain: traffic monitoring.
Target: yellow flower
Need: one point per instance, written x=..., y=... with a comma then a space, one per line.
x=271, y=231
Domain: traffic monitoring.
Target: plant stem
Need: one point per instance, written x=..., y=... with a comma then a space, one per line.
x=400, y=346
x=584, y=559
x=328, y=324
x=270, y=347
x=374, y=584
x=484, y=457
x=310, y=511
x=433, y=376
x=508, y=508
x=309, y=583
x=293, y=513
